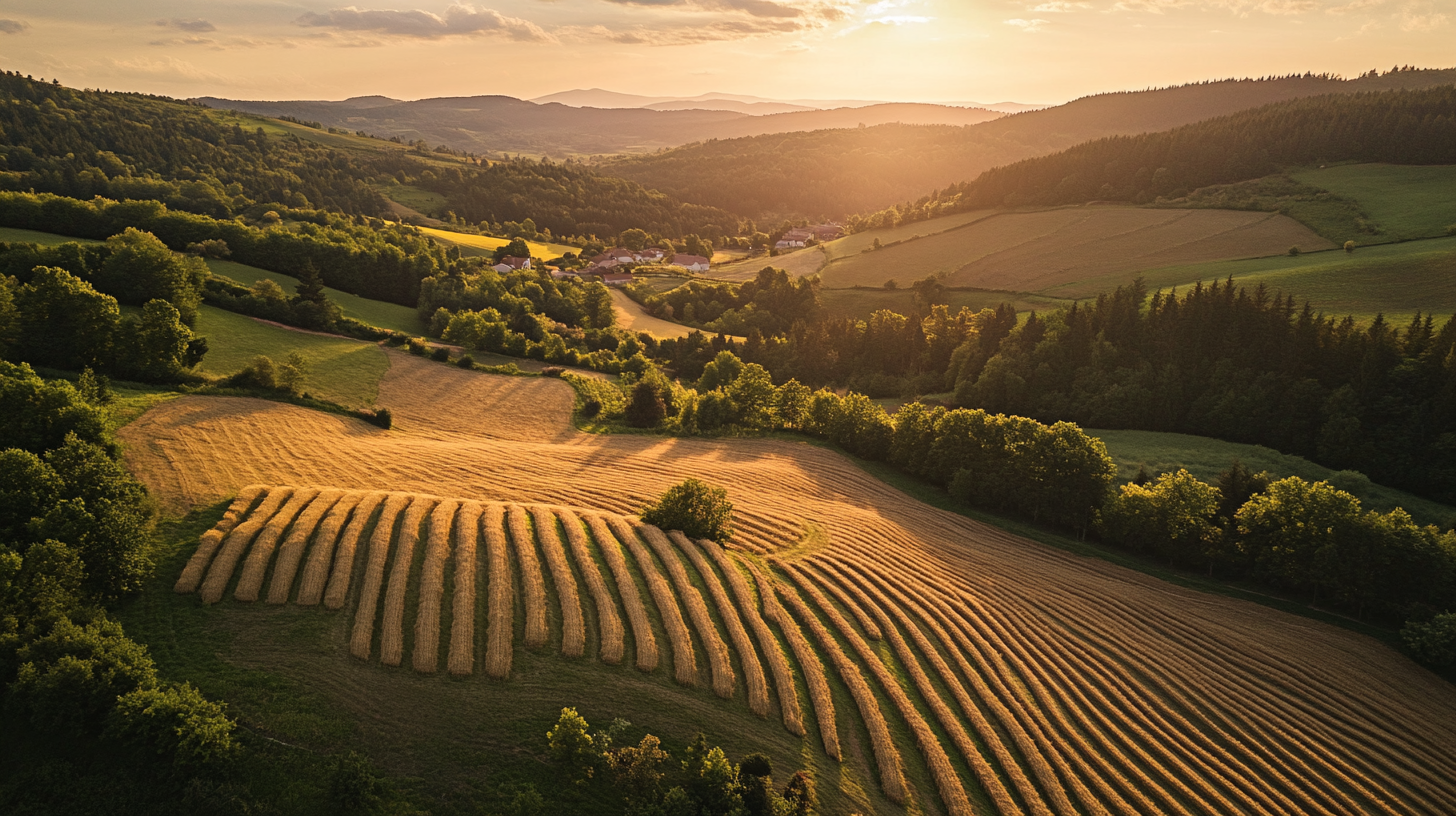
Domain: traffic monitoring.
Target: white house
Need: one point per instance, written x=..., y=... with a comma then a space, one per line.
x=692, y=263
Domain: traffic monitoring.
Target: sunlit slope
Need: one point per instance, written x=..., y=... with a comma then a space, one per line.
x=485, y=244
x=374, y=312
x=1035, y=251
x=969, y=670
x=1405, y=201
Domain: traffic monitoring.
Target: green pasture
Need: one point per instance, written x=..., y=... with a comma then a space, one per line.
x=379, y=313
x=861, y=303
x=1406, y=201
x=25, y=236
x=1206, y=458
x=339, y=369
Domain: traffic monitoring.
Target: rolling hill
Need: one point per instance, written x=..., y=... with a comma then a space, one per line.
x=493, y=125
x=837, y=173
x=967, y=670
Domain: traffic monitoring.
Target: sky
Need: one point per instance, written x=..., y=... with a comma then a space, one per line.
x=1036, y=51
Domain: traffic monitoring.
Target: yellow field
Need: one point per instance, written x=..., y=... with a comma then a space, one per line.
x=950, y=666
x=539, y=250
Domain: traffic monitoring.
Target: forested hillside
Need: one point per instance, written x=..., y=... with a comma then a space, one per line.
x=81, y=144
x=1399, y=127
x=838, y=172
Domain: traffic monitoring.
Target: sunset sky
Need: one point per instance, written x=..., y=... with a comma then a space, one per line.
x=912, y=50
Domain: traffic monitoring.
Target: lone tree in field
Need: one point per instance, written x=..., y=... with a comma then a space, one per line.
x=697, y=509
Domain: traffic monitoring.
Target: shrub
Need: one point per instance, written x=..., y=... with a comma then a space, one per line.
x=1349, y=246
x=591, y=407
x=466, y=362
x=1432, y=642
x=698, y=510
x=441, y=354
x=552, y=371
x=1294, y=250
x=378, y=416
x=646, y=408
x=175, y=722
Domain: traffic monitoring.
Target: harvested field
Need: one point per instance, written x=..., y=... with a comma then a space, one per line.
x=1009, y=677
x=1033, y=251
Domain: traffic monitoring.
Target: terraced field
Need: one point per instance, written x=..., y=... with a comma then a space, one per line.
x=946, y=666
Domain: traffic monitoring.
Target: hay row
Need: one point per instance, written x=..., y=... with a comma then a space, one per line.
x=1051, y=787
x=753, y=679
x=362, y=639
x=220, y=571
x=778, y=664
x=348, y=547
x=533, y=583
x=820, y=697
x=462, y=617
x=950, y=723
x=211, y=540
x=573, y=627
x=250, y=582
x=316, y=568
x=391, y=632
x=642, y=635
x=609, y=623
x=720, y=663
x=290, y=552
x=684, y=662
x=426, y=656
x=500, y=602
x=887, y=756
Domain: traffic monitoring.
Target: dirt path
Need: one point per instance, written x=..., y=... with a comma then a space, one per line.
x=632, y=317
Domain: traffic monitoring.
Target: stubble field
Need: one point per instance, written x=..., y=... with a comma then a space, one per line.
x=942, y=664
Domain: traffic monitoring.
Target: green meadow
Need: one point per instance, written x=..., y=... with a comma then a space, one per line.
x=1406, y=201
x=390, y=316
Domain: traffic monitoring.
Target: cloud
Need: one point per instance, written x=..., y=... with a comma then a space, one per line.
x=1412, y=21
x=196, y=26
x=457, y=21
x=184, y=41
x=13, y=26
x=1058, y=7
x=169, y=67
x=1027, y=26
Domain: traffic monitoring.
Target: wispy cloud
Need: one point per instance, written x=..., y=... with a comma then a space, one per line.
x=13, y=26
x=459, y=20
x=1027, y=26
x=196, y=26
x=1058, y=7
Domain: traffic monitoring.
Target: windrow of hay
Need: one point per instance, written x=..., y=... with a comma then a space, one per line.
x=391, y=633
x=221, y=569
x=887, y=756
x=462, y=619
x=611, y=549
x=211, y=540
x=250, y=582
x=316, y=568
x=778, y=664
x=719, y=661
x=290, y=552
x=684, y=663
x=820, y=697
x=500, y=623
x=533, y=583
x=947, y=782
x=608, y=621
x=573, y=628
x=379, y=544
x=343, y=572
x=432, y=588
x=753, y=680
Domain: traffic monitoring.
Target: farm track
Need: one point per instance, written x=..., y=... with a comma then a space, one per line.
x=990, y=674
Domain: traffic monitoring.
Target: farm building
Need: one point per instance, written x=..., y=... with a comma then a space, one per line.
x=692, y=263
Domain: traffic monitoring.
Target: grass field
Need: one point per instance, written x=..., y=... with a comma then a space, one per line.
x=1394, y=279
x=339, y=369
x=861, y=303
x=429, y=203
x=25, y=236
x=800, y=262
x=968, y=670
x=485, y=244
x=374, y=312
x=1206, y=458
x=1407, y=202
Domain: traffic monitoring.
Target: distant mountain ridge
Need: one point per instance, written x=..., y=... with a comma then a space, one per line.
x=492, y=125
x=598, y=98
